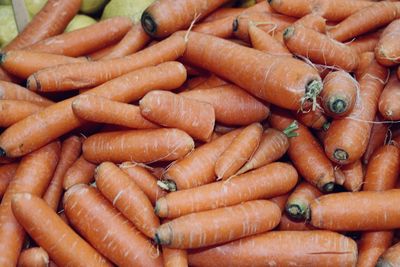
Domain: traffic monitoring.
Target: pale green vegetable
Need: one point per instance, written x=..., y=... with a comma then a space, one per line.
x=126, y=8
x=8, y=27
x=92, y=6
x=79, y=21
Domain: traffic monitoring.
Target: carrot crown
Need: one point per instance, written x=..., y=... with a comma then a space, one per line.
x=313, y=89
x=148, y=24
x=167, y=185
x=290, y=130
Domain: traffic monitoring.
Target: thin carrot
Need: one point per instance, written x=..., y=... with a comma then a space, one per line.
x=305, y=248
x=29, y=134
x=391, y=257
x=371, y=247
x=12, y=111
x=32, y=175
x=174, y=257
x=263, y=74
x=315, y=119
x=51, y=20
x=387, y=52
x=7, y=172
x=33, y=257
x=12, y=91
x=389, y=99
x=221, y=27
x=211, y=82
x=269, y=181
x=377, y=138
x=203, y=229
x=312, y=21
x=196, y=118
x=288, y=224
x=365, y=43
x=81, y=171
x=338, y=10
x=293, y=8
x=105, y=110
x=46, y=228
x=353, y=176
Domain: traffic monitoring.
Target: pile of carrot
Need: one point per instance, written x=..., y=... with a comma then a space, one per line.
x=206, y=135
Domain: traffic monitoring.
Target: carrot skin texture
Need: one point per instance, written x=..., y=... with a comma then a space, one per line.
x=7, y=172
x=296, y=8
x=288, y=224
x=389, y=99
x=174, y=257
x=339, y=10
x=365, y=43
x=12, y=91
x=221, y=28
x=315, y=119
x=262, y=41
x=12, y=111
x=33, y=257
x=80, y=172
x=354, y=176
x=390, y=257
x=376, y=139
x=312, y=21
x=387, y=50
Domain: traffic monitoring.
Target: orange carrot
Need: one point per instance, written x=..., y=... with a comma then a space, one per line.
x=269, y=181
x=377, y=138
x=51, y=20
x=97, y=55
x=338, y=10
x=203, y=229
x=80, y=172
x=211, y=82
x=312, y=21
x=196, y=118
x=174, y=257
x=223, y=12
x=262, y=41
x=46, y=228
x=280, y=201
x=4, y=76
x=390, y=257
x=387, y=51
x=288, y=224
x=12, y=111
x=7, y=172
x=389, y=99
x=33, y=257
x=220, y=27
x=294, y=8
x=315, y=119
x=33, y=176
x=12, y=91
x=365, y=43
x=353, y=176
x=102, y=110
x=372, y=245
x=365, y=61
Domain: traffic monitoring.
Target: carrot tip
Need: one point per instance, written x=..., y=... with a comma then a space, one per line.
x=148, y=23
x=2, y=152
x=382, y=263
x=297, y=211
x=328, y=187
x=337, y=105
x=340, y=155
x=288, y=32
x=167, y=185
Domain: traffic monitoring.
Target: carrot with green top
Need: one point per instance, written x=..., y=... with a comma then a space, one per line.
x=80, y=172
x=7, y=172
x=12, y=111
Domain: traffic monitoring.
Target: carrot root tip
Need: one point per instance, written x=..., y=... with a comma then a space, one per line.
x=2, y=152
x=328, y=187
x=148, y=23
x=313, y=89
x=340, y=155
x=297, y=211
x=290, y=130
x=33, y=84
x=382, y=263
x=337, y=105
x=288, y=32
x=235, y=25
x=167, y=185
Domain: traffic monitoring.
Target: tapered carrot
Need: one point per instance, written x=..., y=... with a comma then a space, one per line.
x=356, y=126
x=288, y=224
x=203, y=229
x=319, y=48
x=146, y=181
x=29, y=134
x=377, y=138
x=97, y=55
x=7, y=172
x=220, y=28
x=390, y=257
x=339, y=94
x=312, y=21
x=303, y=149
x=12, y=111
x=294, y=8
x=33, y=257
x=51, y=20
x=315, y=119
x=106, y=229
x=232, y=105
x=269, y=181
x=174, y=257
x=46, y=228
x=81, y=171
x=70, y=150
x=305, y=248
x=389, y=99
x=262, y=41
x=353, y=176
x=196, y=118
x=338, y=10
x=33, y=176
x=102, y=110
x=123, y=192
x=263, y=74
x=69, y=76
x=365, y=43
x=12, y=91
x=387, y=51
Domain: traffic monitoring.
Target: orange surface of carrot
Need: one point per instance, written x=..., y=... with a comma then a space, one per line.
x=315, y=119
x=12, y=91
x=174, y=257
x=7, y=172
x=80, y=172
x=262, y=41
x=365, y=43
x=353, y=176
x=379, y=133
x=389, y=99
x=12, y=111
x=293, y=8
x=33, y=257
x=338, y=10
x=312, y=21
x=288, y=224
x=387, y=51
x=298, y=203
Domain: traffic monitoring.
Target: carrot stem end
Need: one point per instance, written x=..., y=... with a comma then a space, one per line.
x=290, y=130
x=167, y=185
x=340, y=155
x=148, y=24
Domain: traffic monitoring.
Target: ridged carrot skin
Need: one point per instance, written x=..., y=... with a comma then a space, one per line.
x=365, y=43
x=315, y=119
x=33, y=257
x=80, y=172
x=353, y=176
x=338, y=10
x=12, y=111
x=174, y=257
x=387, y=51
x=377, y=138
x=389, y=99
x=12, y=91
x=312, y=21
x=7, y=172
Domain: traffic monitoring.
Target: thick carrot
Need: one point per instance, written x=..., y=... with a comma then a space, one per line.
x=319, y=48
x=298, y=204
x=338, y=10
x=357, y=211
x=33, y=257
x=69, y=76
x=232, y=105
x=7, y=172
x=51, y=20
x=288, y=224
x=80, y=172
x=303, y=149
x=305, y=248
x=269, y=181
x=391, y=257
x=315, y=119
x=29, y=134
x=203, y=229
x=144, y=180
x=46, y=228
x=365, y=43
x=210, y=82
x=123, y=192
x=353, y=176
x=23, y=63
x=33, y=176
x=97, y=55
x=365, y=61
x=262, y=41
x=389, y=99
x=223, y=12
x=377, y=138
x=372, y=245
x=106, y=229
x=198, y=167
x=4, y=76
x=174, y=257
x=12, y=111
x=339, y=94
x=387, y=51
x=294, y=8
x=263, y=75
x=70, y=150
x=12, y=91
x=280, y=201
x=102, y=110
x=220, y=28
x=356, y=126
x=312, y=21
x=195, y=117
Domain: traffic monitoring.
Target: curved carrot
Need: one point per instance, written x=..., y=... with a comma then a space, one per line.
x=35, y=256
x=12, y=91
x=269, y=181
x=46, y=228
x=80, y=172
x=203, y=229
x=174, y=257
x=51, y=20
x=312, y=21
x=315, y=119
x=7, y=172
x=365, y=43
x=262, y=41
x=377, y=138
x=387, y=52
x=353, y=176
x=371, y=247
x=12, y=111
x=389, y=99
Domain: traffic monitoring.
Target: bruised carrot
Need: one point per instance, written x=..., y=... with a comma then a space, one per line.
x=81, y=171
x=171, y=110
x=12, y=91
x=269, y=181
x=315, y=119
x=353, y=176
x=288, y=224
x=365, y=43
x=174, y=257
x=51, y=20
x=262, y=41
x=203, y=229
x=33, y=257
x=377, y=138
x=372, y=245
x=338, y=10
x=12, y=111
x=305, y=248
x=32, y=176
x=46, y=228
x=105, y=110
x=312, y=21
x=7, y=172
x=387, y=51
x=389, y=99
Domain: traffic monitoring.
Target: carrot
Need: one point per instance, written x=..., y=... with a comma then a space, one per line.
x=377, y=138
x=365, y=43
x=23, y=63
x=46, y=228
x=288, y=224
x=391, y=257
x=262, y=41
x=29, y=134
x=269, y=181
x=305, y=248
x=319, y=48
x=312, y=21
x=99, y=54
x=357, y=211
x=239, y=151
x=33, y=257
x=365, y=61
x=51, y=20
x=32, y=175
x=232, y=105
x=128, y=115
x=4, y=76
x=389, y=99
x=165, y=17
x=263, y=74
x=211, y=82
x=223, y=12
x=353, y=176
x=146, y=181
x=174, y=257
x=303, y=149
x=7, y=172
x=81, y=171
x=339, y=94
x=294, y=8
x=387, y=52
x=372, y=245
x=280, y=201
x=220, y=27
x=12, y=111
x=356, y=126
x=203, y=229
x=12, y=91
x=171, y=110
x=338, y=10
x=315, y=119
x=122, y=192
x=69, y=76
x=298, y=204
x=364, y=20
